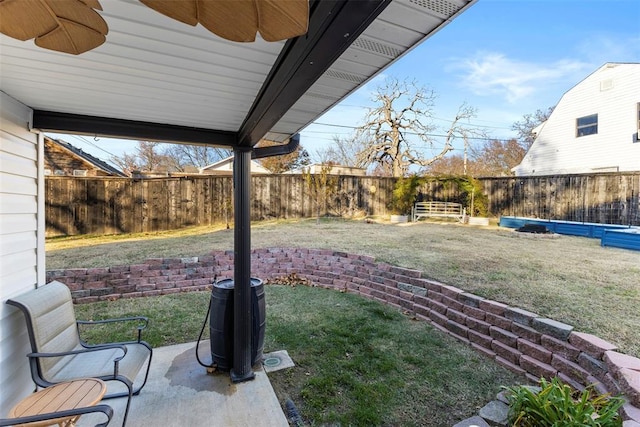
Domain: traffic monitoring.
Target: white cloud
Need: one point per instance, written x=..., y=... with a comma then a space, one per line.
x=495, y=74
x=601, y=48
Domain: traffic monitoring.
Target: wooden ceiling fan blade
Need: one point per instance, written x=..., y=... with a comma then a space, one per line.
x=70, y=26
x=93, y=4
x=185, y=11
x=282, y=19
x=72, y=38
x=235, y=20
x=71, y=12
x=25, y=19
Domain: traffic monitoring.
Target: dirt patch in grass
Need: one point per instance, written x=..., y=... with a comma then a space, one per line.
x=569, y=279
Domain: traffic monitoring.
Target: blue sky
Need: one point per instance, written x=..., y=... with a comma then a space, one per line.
x=506, y=58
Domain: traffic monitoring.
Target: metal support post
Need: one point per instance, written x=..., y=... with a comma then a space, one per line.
x=242, y=310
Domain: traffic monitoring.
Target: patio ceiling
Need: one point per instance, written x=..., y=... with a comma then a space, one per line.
x=159, y=79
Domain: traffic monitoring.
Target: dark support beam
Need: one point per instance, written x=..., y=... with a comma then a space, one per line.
x=333, y=26
x=130, y=129
x=242, y=309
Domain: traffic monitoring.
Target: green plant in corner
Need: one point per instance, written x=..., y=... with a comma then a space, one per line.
x=559, y=405
x=405, y=191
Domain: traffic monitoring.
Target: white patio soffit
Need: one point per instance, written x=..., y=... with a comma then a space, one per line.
x=156, y=70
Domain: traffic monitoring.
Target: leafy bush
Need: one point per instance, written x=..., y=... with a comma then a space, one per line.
x=468, y=190
x=558, y=405
x=404, y=194
x=476, y=201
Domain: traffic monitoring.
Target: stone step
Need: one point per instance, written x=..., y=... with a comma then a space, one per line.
x=476, y=421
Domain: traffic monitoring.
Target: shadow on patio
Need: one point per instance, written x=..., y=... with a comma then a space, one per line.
x=179, y=392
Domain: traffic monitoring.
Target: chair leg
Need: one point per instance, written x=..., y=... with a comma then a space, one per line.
x=129, y=395
x=126, y=411
x=146, y=375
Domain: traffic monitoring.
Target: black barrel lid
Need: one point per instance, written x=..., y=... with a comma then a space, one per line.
x=228, y=283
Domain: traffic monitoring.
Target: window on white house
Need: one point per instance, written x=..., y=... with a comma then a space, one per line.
x=587, y=125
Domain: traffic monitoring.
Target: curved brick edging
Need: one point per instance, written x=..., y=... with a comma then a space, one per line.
x=517, y=339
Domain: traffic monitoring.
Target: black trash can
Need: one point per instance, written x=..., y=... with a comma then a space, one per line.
x=221, y=322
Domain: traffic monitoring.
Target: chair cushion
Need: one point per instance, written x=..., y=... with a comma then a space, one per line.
x=49, y=310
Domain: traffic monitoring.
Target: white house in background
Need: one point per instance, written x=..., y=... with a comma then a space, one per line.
x=594, y=127
x=225, y=167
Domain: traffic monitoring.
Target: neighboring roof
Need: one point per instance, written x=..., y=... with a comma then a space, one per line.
x=158, y=79
x=225, y=167
x=94, y=161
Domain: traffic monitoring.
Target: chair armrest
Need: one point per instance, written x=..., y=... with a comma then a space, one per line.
x=143, y=322
x=105, y=409
x=116, y=361
x=84, y=350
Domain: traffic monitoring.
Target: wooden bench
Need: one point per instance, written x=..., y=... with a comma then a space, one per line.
x=437, y=209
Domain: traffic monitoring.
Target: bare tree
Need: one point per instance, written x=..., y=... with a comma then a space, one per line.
x=401, y=121
x=161, y=157
x=148, y=157
x=191, y=157
x=126, y=162
x=490, y=158
x=285, y=162
x=496, y=158
x=344, y=151
x=529, y=122
x=450, y=165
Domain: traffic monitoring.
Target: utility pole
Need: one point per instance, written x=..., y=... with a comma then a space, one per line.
x=466, y=144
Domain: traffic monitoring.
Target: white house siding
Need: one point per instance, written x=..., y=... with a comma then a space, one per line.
x=612, y=92
x=21, y=242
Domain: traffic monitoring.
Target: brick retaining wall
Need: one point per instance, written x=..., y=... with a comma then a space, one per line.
x=517, y=339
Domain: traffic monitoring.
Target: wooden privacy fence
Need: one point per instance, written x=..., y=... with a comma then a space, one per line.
x=607, y=198
x=122, y=205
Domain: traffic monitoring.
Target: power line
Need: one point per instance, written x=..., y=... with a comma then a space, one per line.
x=86, y=141
x=479, y=138
x=439, y=118
x=424, y=146
x=109, y=160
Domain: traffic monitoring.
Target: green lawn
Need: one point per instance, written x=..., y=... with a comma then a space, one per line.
x=358, y=362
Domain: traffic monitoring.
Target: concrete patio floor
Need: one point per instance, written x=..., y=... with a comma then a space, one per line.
x=179, y=392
